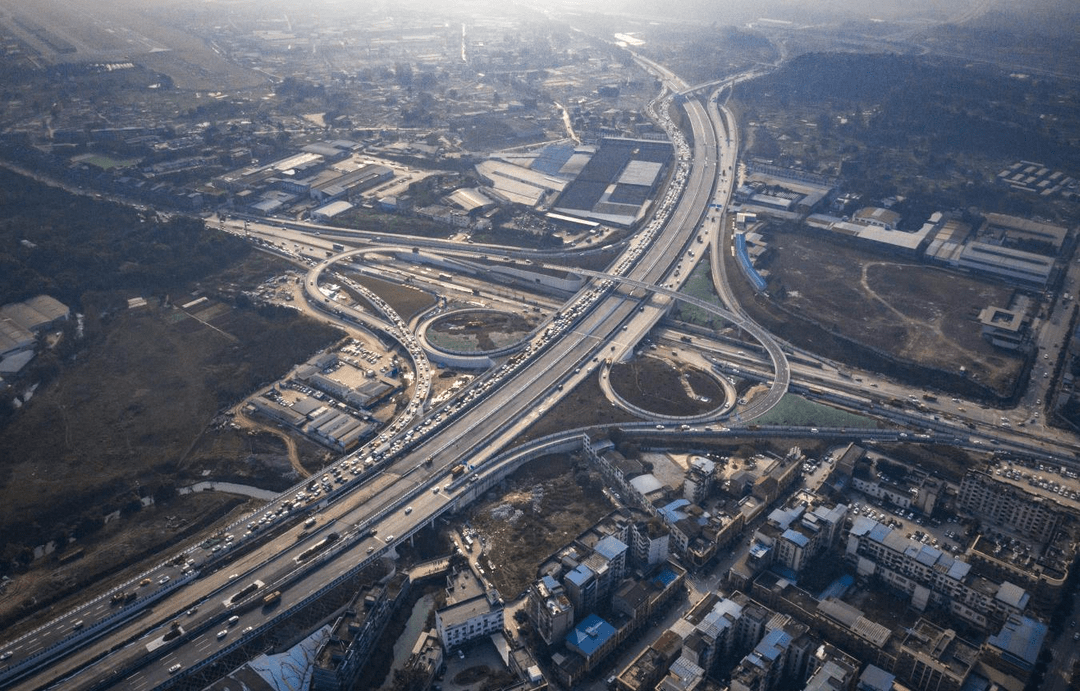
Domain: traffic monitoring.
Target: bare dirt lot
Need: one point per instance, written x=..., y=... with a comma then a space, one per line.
x=916, y=313
x=584, y=406
x=137, y=414
x=405, y=300
x=479, y=330
x=538, y=509
x=662, y=387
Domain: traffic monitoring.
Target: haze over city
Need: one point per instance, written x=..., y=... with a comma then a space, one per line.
x=470, y=346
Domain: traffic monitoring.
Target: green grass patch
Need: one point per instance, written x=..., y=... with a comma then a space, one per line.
x=699, y=285
x=106, y=162
x=797, y=411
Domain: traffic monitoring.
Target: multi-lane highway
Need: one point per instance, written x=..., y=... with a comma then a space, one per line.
x=197, y=606
x=367, y=513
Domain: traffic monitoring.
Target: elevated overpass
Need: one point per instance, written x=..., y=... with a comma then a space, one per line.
x=483, y=423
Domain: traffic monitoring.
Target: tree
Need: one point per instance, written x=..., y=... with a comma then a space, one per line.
x=403, y=73
x=412, y=678
x=615, y=435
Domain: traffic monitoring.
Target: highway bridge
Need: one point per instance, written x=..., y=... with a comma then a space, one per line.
x=367, y=516
x=203, y=608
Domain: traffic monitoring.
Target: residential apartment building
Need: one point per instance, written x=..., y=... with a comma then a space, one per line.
x=1003, y=504
x=781, y=656
x=709, y=628
x=472, y=611
x=477, y=617
x=832, y=670
x=550, y=610
x=339, y=661
x=698, y=482
x=935, y=659
x=799, y=531
x=650, y=541
x=649, y=667
x=930, y=576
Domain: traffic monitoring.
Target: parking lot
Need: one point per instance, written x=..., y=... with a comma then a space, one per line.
x=945, y=535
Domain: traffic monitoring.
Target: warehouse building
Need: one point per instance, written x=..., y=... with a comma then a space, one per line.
x=1003, y=228
x=617, y=183
x=1004, y=262
x=20, y=323
x=37, y=314
x=328, y=211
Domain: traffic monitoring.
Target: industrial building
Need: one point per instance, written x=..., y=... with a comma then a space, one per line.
x=20, y=324
x=339, y=182
x=1001, y=228
x=326, y=212
x=1036, y=178
x=518, y=184
x=875, y=232
x=37, y=314
x=617, y=183
x=1026, y=268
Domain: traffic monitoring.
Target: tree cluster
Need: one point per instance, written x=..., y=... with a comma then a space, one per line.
x=67, y=245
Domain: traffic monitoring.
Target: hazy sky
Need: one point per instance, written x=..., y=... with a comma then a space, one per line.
x=735, y=12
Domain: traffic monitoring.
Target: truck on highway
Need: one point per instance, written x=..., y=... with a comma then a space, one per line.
x=316, y=548
x=121, y=597
x=243, y=592
x=339, y=247
x=272, y=599
x=457, y=470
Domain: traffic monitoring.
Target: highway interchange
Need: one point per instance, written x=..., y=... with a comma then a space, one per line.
x=371, y=499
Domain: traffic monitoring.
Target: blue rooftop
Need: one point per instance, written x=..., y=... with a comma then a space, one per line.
x=837, y=588
x=580, y=576
x=774, y=643
x=876, y=679
x=590, y=634
x=666, y=577
x=879, y=531
x=676, y=505
x=610, y=547
x=673, y=512
x=796, y=537
x=552, y=158
x=1020, y=640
